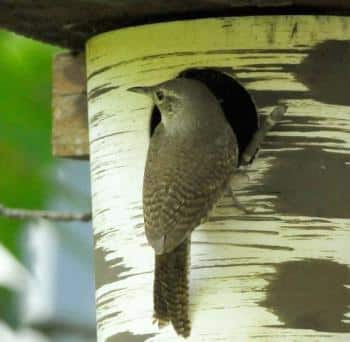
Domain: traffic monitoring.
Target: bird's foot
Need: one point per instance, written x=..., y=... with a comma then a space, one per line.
x=237, y=204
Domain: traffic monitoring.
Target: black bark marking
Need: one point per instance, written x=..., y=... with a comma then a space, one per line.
x=108, y=135
x=294, y=31
x=326, y=72
x=310, y=294
x=129, y=337
x=100, y=90
x=259, y=246
x=249, y=231
x=316, y=185
x=107, y=272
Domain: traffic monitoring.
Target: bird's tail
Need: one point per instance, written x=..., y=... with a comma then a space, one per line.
x=170, y=290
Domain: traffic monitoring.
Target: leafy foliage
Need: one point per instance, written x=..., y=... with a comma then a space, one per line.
x=25, y=116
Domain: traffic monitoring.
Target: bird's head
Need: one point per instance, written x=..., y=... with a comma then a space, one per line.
x=181, y=101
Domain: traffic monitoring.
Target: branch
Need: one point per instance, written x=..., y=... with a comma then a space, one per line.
x=22, y=214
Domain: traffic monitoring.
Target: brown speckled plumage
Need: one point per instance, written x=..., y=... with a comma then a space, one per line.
x=191, y=158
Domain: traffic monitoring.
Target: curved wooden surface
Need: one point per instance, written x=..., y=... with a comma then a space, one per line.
x=278, y=274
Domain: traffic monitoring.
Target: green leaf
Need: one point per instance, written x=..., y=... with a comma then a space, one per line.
x=25, y=129
x=8, y=307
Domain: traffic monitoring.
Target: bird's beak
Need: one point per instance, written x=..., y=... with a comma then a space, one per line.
x=141, y=90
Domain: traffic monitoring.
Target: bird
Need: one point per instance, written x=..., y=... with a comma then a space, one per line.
x=191, y=158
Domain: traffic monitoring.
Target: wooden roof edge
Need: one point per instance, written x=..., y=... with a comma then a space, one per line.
x=70, y=23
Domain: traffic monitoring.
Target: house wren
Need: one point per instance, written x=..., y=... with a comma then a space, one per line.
x=191, y=157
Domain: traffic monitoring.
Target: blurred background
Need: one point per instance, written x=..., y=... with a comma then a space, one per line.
x=46, y=268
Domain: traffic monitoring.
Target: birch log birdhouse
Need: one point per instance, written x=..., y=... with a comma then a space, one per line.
x=280, y=272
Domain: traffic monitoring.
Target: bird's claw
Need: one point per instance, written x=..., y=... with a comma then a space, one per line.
x=237, y=204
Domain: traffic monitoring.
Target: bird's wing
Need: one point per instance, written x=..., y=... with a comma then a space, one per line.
x=181, y=185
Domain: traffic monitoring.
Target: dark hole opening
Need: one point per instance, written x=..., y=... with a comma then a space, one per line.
x=236, y=103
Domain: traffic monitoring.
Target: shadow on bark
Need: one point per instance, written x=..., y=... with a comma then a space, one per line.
x=310, y=294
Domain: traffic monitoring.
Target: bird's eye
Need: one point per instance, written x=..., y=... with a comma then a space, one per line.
x=159, y=95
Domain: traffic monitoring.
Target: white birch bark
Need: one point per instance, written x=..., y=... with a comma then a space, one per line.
x=243, y=268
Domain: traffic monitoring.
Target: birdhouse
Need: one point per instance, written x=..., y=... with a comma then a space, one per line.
x=279, y=272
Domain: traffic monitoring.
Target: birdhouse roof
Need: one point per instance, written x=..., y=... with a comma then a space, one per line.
x=70, y=23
